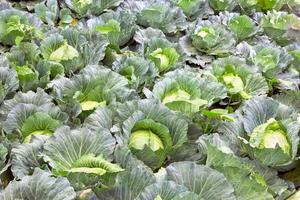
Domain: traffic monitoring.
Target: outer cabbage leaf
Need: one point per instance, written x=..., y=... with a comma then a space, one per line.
x=194, y=8
x=222, y=5
x=102, y=118
x=81, y=155
x=294, y=51
x=289, y=98
x=128, y=184
x=25, y=157
x=48, y=11
x=9, y=82
x=39, y=186
x=3, y=154
x=38, y=99
x=203, y=181
x=165, y=190
x=126, y=158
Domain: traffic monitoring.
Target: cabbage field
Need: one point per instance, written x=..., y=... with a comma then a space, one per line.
x=150, y=100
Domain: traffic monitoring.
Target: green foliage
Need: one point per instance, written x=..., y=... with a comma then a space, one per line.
x=149, y=99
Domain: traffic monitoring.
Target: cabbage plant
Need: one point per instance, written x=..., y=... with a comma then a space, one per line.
x=162, y=15
x=148, y=128
x=272, y=131
x=137, y=70
x=194, y=8
x=18, y=26
x=31, y=114
x=212, y=38
x=90, y=162
x=88, y=7
x=73, y=49
x=165, y=54
x=119, y=27
x=184, y=91
x=237, y=77
x=281, y=26
x=94, y=87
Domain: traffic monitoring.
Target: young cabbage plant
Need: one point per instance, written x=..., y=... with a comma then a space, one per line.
x=118, y=26
x=165, y=54
x=18, y=26
x=272, y=132
x=211, y=37
x=160, y=14
x=194, y=8
x=183, y=91
x=73, y=49
x=93, y=87
x=91, y=7
x=150, y=130
x=32, y=70
x=25, y=120
x=47, y=11
x=250, y=6
x=38, y=99
x=271, y=59
x=29, y=114
x=258, y=180
x=137, y=70
x=239, y=78
x=242, y=26
x=83, y=155
x=282, y=27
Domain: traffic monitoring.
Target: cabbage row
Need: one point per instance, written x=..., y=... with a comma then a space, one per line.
x=150, y=100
